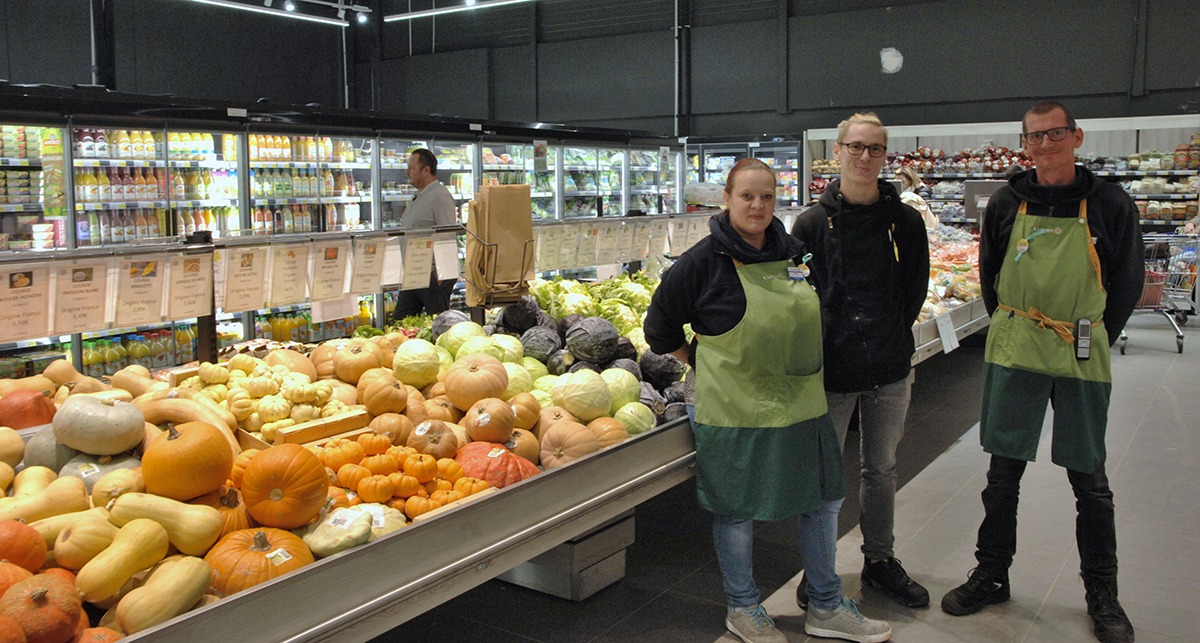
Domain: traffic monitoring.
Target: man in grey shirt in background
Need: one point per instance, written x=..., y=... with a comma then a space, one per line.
x=432, y=206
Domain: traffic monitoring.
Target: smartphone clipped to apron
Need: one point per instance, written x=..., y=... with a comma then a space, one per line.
x=1083, y=339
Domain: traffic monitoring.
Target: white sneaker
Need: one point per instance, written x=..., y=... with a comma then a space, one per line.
x=752, y=625
x=846, y=622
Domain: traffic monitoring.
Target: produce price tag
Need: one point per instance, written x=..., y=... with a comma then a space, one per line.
x=368, y=265
x=219, y=278
x=589, y=236
x=289, y=274
x=245, y=278
x=393, y=262
x=140, y=290
x=24, y=303
x=658, y=237
x=335, y=309
x=190, y=282
x=342, y=517
x=418, y=262
x=570, y=243
x=279, y=557
x=329, y=262
x=550, y=247
x=945, y=328
x=445, y=255
x=697, y=230
x=677, y=241
x=626, y=250
x=80, y=296
x=607, y=251
x=641, y=240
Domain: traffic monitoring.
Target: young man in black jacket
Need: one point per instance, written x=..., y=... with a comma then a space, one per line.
x=870, y=266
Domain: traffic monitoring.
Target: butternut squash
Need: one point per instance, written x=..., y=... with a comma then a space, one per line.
x=51, y=527
x=39, y=383
x=32, y=481
x=12, y=446
x=60, y=372
x=192, y=529
x=6, y=477
x=83, y=541
x=64, y=495
x=115, y=483
x=170, y=589
x=139, y=544
x=136, y=379
x=196, y=396
x=180, y=410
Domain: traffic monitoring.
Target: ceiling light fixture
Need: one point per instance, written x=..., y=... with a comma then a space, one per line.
x=290, y=6
x=229, y=4
x=362, y=17
x=429, y=13
x=267, y=3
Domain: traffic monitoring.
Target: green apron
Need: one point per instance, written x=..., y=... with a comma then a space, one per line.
x=765, y=445
x=1049, y=279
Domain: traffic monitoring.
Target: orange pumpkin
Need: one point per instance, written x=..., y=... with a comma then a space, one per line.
x=24, y=408
x=11, y=574
x=550, y=416
x=404, y=485
x=382, y=464
x=338, y=498
x=524, y=444
x=98, y=635
x=61, y=572
x=435, y=438
x=421, y=466
x=473, y=378
x=565, y=442
x=374, y=443
x=446, y=496
x=10, y=630
x=382, y=393
x=228, y=501
x=526, y=410
x=187, y=461
x=247, y=557
x=239, y=465
x=375, y=489
x=414, y=395
x=285, y=486
x=467, y=485
x=608, y=431
x=343, y=453
x=494, y=464
x=437, y=484
x=46, y=607
x=397, y=504
x=356, y=358
x=441, y=408
x=393, y=425
x=489, y=420
x=351, y=474
x=22, y=545
x=436, y=389
x=417, y=505
x=322, y=358
x=401, y=452
x=450, y=470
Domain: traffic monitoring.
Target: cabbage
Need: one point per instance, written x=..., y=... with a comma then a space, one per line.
x=482, y=344
x=583, y=394
x=445, y=320
x=540, y=342
x=545, y=320
x=580, y=365
x=510, y=347
x=628, y=365
x=673, y=411
x=560, y=361
x=445, y=358
x=566, y=323
x=652, y=399
x=534, y=367
x=416, y=363
x=519, y=380
x=674, y=393
x=620, y=314
x=623, y=387
x=626, y=350
x=637, y=417
x=454, y=336
x=520, y=316
x=542, y=397
x=545, y=383
x=573, y=304
x=593, y=339
x=637, y=337
x=660, y=370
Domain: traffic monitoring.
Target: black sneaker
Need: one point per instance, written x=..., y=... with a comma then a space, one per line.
x=889, y=577
x=981, y=589
x=1108, y=619
x=802, y=593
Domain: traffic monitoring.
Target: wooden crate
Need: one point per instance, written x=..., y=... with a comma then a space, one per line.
x=344, y=425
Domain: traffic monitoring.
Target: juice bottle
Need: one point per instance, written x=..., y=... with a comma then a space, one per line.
x=141, y=190
x=281, y=147
x=129, y=225
x=91, y=187
x=124, y=145
x=288, y=220
x=89, y=359
x=160, y=180
x=233, y=224
x=87, y=144
x=364, y=314
x=101, y=144
x=310, y=149
x=207, y=146
x=178, y=187
x=278, y=326
x=153, y=342
x=173, y=145
x=139, y=351
x=153, y=230
x=258, y=225
x=103, y=186
x=206, y=179
x=285, y=148
x=108, y=357
x=118, y=186
x=252, y=143
x=141, y=228
x=339, y=184
x=197, y=223
x=131, y=192
x=273, y=220
x=299, y=186
x=175, y=345
x=137, y=145
x=263, y=329
x=330, y=185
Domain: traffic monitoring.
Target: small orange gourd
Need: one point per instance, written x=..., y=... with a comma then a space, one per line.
x=351, y=474
x=381, y=464
x=467, y=485
x=417, y=505
x=375, y=489
x=22, y=545
x=423, y=467
x=374, y=443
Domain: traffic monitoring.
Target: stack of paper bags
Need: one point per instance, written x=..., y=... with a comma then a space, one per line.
x=499, y=243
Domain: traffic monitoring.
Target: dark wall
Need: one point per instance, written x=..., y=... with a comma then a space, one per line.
x=45, y=41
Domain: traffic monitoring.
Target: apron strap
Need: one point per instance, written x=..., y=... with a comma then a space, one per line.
x=1094, y=258
x=1065, y=329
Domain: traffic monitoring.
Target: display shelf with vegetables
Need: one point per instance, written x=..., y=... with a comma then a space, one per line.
x=612, y=182
x=32, y=208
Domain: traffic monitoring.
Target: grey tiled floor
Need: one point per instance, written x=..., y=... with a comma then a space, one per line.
x=1153, y=452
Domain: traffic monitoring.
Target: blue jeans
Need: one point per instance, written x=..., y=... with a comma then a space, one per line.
x=881, y=426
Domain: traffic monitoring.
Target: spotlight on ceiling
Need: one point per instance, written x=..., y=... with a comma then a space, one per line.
x=289, y=5
x=267, y=3
x=362, y=17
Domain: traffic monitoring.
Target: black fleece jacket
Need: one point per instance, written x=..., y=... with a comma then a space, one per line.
x=871, y=267
x=702, y=287
x=1112, y=219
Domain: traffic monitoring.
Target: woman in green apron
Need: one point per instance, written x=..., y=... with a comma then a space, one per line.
x=766, y=448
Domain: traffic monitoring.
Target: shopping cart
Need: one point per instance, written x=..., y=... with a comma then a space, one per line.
x=1169, y=288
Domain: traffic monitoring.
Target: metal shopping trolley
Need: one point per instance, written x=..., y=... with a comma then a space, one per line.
x=1169, y=288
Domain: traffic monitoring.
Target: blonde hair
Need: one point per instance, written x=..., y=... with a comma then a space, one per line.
x=860, y=117
x=906, y=172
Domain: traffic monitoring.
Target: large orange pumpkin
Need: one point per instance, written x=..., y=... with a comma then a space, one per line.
x=322, y=358
x=46, y=607
x=247, y=557
x=11, y=574
x=550, y=416
x=285, y=486
x=358, y=357
x=10, y=630
x=382, y=393
x=187, y=461
x=435, y=438
x=22, y=545
x=565, y=442
x=473, y=378
x=239, y=465
x=494, y=464
x=489, y=420
x=228, y=501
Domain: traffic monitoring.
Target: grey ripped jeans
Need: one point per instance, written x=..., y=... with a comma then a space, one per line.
x=881, y=425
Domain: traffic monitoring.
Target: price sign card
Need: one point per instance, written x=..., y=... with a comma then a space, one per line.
x=329, y=262
x=445, y=255
x=641, y=240
x=24, y=303
x=219, y=277
x=393, y=262
x=80, y=296
x=696, y=229
x=190, y=285
x=659, y=240
x=570, y=244
x=677, y=242
x=607, y=250
x=289, y=274
x=589, y=237
x=540, y=156
x=418, y=262
x=550, y=247
x=140, y=290
x=368, y=264
x=334, y=309
x=625, y=241
x=245, y=278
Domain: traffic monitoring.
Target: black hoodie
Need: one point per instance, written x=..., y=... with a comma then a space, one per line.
x=1112, y=218
x=871, y=267
x=702, y=287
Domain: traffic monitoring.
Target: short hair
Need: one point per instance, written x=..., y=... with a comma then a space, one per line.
x=860, y=117
x=747, y=164
x=427, y=159
x=1045, y=107
x=914, y=181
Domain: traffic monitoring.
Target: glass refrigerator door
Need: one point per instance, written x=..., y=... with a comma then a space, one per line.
x=341, y=202
x=33, y=206
x=122, y=184
x=285, y=184
x=668, y=181
x=718, y=161
x=202, y=183
x=612, y=173
x=643, y=181
x=456, y=170
x=544, y=184
x=513, y=164
x=395, y=190
x=693, y=167
x=581, y=184
x=785, y=162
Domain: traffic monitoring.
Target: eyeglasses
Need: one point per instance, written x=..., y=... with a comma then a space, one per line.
x=1056, y=134
x=857, y=148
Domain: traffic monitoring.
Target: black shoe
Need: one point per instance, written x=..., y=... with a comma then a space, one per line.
x=982, y=588
x=802, y=593
x=1108, y=619
x=889, y=577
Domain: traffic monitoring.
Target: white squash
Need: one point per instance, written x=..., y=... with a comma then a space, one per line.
x=99, y=427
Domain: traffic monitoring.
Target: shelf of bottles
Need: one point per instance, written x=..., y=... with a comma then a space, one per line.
x=31, y=183
x=581, y=182
x=301, y=183
x=154, y=347
x=133, y=185
x=644, y=181
x=693, y=168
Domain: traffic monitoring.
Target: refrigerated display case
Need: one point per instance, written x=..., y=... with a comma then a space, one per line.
x=784, y=158
x=717, y=159
x=455, y=169
x=668, y=182
x=611, y=182
x=644, y=181
x=513, y=164
x=33, y=184
x=581, y=184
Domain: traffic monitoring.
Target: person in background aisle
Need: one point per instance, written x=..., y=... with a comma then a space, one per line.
x=909, y=196
x=1060, y=251
x=432, y=206
x=765, y=446
x=1193, y=226
x=871, y=268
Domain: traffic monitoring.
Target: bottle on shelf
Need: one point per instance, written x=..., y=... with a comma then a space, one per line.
x=104, y=191
x=124, y=145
